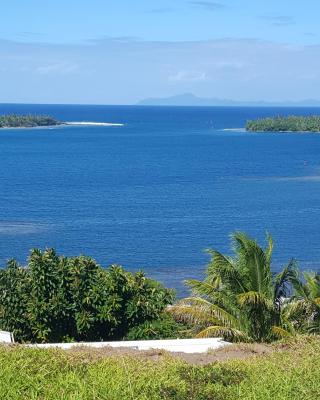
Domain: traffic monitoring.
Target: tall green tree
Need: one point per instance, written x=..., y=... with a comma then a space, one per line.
x=240, y=298
x=55, y=299
x=302, y=312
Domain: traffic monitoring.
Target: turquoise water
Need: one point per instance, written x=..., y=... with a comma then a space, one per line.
x=155, y=193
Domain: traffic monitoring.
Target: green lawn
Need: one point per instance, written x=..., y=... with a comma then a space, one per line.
x=291, y=373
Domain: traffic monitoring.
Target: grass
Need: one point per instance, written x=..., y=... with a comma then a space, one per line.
x=292, y=373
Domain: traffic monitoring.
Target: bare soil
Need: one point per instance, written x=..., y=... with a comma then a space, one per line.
x=236, y=351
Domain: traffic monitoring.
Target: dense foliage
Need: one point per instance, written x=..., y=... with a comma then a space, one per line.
x=27, y=121
x=302, y=310
x=291, y=123
x=242, y=300
x=290, y=374
x=165, y=327
x=57, y=299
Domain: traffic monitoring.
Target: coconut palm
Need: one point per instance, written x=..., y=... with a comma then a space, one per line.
x=303, y=311
x=240, y=298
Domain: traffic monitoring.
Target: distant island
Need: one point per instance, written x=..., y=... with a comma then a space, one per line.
x=27, y=121
x=33, y=121
x=189, y=99
x=292, y=123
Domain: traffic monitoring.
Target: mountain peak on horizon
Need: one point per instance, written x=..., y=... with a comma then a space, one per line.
x=190, y=99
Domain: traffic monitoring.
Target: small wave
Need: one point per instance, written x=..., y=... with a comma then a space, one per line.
x=21, y=228
x=314, y=178
x=235, y=129
x=305, y=178
x=88, y=123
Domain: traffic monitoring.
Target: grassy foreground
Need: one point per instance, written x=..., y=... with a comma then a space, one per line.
x=292, y=373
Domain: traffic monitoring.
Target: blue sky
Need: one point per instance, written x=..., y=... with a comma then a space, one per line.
x=118, y=52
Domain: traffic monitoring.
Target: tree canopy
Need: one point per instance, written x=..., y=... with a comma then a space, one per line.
x=27, y=121
x=242, y=300
x=56, y=298
x=291, y=123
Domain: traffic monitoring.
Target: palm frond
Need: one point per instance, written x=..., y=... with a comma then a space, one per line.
x=269, y=249
x=313, y=284
x=295, y=310
x=193, y=315
x=254, y=261
x=224, y=270
x=255, y=299
x=203, y=311
x=225, y=332
x=284, y=280
x=317, y=301
x=201, y=287
x=281, y=333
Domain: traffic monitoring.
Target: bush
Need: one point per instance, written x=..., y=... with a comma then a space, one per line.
x=164, y=327
x=57, y=299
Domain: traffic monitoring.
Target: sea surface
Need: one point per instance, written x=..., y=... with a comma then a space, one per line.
x=160, y=190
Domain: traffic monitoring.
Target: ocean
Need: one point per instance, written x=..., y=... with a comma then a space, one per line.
x=155, y=193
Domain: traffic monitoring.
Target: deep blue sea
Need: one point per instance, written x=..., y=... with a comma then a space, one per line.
x=158, y=191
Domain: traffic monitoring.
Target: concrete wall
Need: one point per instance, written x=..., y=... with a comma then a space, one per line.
x=175, y=345
x=6, y=337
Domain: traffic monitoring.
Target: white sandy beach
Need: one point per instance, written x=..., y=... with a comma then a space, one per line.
x=85, y=123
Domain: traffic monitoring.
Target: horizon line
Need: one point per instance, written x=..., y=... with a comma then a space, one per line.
x=259, y=104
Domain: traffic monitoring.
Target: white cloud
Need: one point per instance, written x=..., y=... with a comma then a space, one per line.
x=279, y=20
x=57, y=68
x=230, y=64
x=127, y=70
x=188, y=76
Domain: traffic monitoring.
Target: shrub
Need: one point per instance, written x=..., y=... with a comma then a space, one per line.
x=59, y=298
x=164, y=327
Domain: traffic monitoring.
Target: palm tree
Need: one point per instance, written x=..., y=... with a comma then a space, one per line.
x=303, y=311
x=240, y=298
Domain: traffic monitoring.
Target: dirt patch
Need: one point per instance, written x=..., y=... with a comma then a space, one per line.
x=92, y=354
x=236, y=351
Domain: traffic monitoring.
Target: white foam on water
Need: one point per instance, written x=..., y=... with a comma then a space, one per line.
x=235, y=129
x=88, y=123
x=20, y=228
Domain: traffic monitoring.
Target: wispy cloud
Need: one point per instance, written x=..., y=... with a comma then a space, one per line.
x=278, y=20
x=188, y=76
x=208, y=5
x=120, y=70
x=57, y=68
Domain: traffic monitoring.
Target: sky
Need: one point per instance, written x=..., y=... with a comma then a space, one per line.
x=122, y=51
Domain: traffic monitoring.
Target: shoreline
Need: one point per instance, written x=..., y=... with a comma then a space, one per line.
x=276, y=131
x=88, y=123
x=80, y=123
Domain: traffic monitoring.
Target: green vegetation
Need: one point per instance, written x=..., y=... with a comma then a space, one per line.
x=291, y=372
x=27, y=121
x=163, y=328
x=57, y=299
x=291, y=123
x=241, y=300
